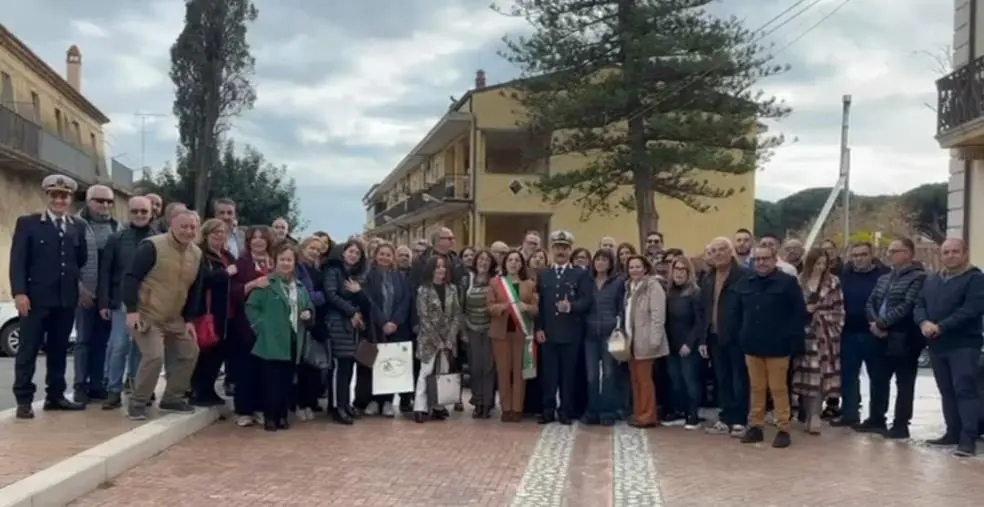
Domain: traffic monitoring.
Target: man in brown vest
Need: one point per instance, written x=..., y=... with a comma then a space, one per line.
x=162, y=294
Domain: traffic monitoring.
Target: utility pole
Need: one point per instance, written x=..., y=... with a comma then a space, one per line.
x=143, y=134
x=843, y=184
x=845, y=166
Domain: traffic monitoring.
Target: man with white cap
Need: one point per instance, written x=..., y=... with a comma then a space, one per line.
x=46, y=257
x=565, y=296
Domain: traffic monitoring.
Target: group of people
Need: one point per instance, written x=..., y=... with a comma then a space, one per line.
x=759, y=329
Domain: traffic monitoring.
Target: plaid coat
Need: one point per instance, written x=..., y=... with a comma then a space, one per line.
x=818, y=371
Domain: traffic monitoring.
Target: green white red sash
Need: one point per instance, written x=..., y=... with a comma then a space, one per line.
x=523, y=323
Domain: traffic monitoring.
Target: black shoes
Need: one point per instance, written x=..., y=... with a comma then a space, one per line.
x=753, y=435
x=113, y=401
x=546, y=418
x=341, y=416
x=63, y=404
x=25, y=411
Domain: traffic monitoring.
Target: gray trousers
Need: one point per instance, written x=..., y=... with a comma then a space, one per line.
x=481, y=365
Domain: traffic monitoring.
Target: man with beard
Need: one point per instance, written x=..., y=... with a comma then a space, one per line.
x=743, y=246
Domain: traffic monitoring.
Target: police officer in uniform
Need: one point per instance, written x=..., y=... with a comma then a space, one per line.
x=46, y=256
x=565, y=297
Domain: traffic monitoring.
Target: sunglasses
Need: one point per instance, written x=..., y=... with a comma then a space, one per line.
x=101, y=200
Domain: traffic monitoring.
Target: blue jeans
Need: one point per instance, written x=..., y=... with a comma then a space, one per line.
x=90, y=350
x=604, y=397
x=855, y=347
x=684, y=373
x=120, y=354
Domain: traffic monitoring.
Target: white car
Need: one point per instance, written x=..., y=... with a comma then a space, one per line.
x=10, y=329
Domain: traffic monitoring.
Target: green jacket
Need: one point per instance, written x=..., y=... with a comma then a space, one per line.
x=268, y=312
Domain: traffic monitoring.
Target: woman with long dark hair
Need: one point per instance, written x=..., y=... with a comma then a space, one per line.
x=347, y=313
x=388, y=292
x=252, y=269
x=438, y=320
x=605, y=403
x=481, y=365
x=511, y=302
x=817, y=373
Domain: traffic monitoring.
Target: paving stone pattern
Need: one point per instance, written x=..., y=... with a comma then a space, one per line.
x=29, y=446
x=545, y=477
x=635, y=480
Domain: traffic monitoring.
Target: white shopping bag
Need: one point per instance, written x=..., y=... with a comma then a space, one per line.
x=392, y=373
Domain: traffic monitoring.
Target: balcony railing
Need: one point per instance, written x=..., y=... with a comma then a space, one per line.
x=69, y=159
x=121, y=175
x=456, y=189
x=27, y=138
x=19, y=134
x=960, y=96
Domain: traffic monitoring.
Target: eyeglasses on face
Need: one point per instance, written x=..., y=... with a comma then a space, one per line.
x=101, y=200
x=139, y=211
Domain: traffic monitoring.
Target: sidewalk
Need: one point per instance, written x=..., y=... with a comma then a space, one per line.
x=29, y=446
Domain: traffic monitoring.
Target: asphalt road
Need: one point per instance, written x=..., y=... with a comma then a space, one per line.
x=7, y=380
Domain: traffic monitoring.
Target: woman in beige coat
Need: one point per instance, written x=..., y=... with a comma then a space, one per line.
x=644, y=314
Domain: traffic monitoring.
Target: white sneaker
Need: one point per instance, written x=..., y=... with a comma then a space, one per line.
x=308, y=414
x=388, y=409
x=719, y=428
x=372, y=408
x=737, y=431
x=258, y=418
x=244, y=421
x=770, y=419
x=691, y=427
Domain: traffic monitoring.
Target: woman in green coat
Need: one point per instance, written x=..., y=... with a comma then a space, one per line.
x=277, y=314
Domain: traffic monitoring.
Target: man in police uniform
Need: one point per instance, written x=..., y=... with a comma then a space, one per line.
x=565, y=297
x=46, y=256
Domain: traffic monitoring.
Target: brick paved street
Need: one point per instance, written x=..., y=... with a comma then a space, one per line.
x=380, y=462
x=27, y=447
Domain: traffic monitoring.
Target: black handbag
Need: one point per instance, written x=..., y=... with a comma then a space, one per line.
x=318, y=355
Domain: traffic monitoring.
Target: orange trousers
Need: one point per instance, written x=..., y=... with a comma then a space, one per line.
x=643, y=391
x=508, y=354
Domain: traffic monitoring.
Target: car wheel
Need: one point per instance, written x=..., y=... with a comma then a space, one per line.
x=10, y=339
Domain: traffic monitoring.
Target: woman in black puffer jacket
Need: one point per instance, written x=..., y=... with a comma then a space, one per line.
x=347, y=313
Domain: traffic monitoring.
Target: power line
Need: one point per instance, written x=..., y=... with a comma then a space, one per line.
x=763, y=33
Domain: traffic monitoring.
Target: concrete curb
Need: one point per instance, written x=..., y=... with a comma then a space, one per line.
x=78, y=475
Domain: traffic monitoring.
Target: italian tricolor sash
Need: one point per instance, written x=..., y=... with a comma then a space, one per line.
x=523, y=323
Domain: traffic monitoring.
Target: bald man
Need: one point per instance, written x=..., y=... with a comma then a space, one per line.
x=122, y=356
x=92, y=330
x=720, y=298
x=949, y=312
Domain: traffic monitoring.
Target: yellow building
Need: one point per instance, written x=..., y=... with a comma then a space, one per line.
x=960, y=128
x=47, y=126
x=467, y=174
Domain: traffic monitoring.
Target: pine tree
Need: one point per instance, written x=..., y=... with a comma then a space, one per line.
x=655, y=94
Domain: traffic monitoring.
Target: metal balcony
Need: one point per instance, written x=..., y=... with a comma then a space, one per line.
x=960, y=103
x=19, y=139
x=65, y=158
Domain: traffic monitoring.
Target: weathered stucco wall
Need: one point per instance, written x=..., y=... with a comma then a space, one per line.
x=19, y=193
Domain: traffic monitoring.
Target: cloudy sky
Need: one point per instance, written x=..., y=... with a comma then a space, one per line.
x=346, y=88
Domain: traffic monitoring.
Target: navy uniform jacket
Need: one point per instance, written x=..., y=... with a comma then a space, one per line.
x=45, y=265
x=575, y=284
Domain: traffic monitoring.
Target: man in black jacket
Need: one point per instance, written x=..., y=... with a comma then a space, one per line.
x=122, y=356
x=720, y=297
x=889, y=311
x=773, y=322
x=949, y=315
x=858, y=345
x=47, y=253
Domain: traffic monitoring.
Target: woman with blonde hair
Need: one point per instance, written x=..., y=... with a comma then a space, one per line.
x=686, y=333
